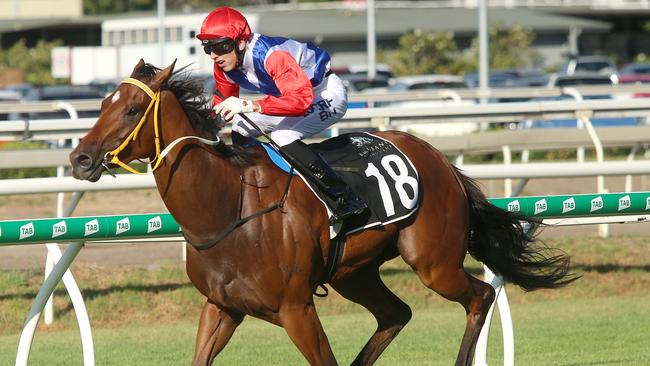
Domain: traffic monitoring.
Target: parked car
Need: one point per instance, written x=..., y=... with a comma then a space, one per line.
x=425, y=82
x=107, y=86
x=564, y=80
x=509, y=78
x=596, y=122
x=7, y=95
x=63, y=92
x=588, y=64
x=635, y=69
x=432, y=82
x=360, y=82
x=22, y=88
x=636, y=79
x=362, y=69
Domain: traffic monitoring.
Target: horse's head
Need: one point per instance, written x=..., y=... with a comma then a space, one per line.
x=124, y=126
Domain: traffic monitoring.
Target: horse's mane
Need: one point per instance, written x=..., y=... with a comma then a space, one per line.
x=191, y=95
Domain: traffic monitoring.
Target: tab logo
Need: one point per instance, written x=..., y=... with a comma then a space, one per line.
x=596, y=204
x=122, y=226
x=540, y=206
x=58, y=229
x=568, y=205
x=624, y=202
x=154, y=224
x=26, y=231
x=514, y=206
x=647, y=205
x=91, y=227
x=0, y=231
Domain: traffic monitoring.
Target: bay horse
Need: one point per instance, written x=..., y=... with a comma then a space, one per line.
x=270, y=266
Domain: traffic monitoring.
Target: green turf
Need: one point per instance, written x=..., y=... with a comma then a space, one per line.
x=149, y=317
x=605, y=331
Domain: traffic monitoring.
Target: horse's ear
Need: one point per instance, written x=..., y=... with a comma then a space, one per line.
x=162, y=76
x=137, y=67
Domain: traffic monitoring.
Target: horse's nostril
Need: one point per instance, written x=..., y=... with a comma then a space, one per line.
x=84, y=161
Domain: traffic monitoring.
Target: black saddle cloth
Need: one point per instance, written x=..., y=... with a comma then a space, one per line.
x=377, y=171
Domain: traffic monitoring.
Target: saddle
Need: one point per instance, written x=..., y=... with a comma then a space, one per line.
x=374, y=168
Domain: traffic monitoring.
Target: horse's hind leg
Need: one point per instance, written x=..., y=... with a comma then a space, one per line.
x=436, y=253
x=366, y=288
x=215, y=329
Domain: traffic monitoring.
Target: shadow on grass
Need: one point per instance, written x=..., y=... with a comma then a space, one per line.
x=599, y=268
x=608, y=362
x=611, y=267
x=89, y=294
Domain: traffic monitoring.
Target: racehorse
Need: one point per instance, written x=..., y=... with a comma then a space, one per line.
x=270, y=266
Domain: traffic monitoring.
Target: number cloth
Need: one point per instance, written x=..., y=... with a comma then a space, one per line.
x=377, y=171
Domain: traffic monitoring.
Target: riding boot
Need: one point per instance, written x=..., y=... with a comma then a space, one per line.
x=344, y=200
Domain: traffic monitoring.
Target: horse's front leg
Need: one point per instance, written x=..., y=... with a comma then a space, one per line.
x=215, y=329
x=305, y=330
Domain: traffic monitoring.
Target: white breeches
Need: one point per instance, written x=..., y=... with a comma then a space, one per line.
x=329, y=105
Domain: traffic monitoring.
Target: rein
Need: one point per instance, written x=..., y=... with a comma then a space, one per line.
x=155, y=103
x=241, y=221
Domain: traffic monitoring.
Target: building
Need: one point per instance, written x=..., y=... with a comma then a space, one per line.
x=338, y=28
x=48, y=20
x=613, y=27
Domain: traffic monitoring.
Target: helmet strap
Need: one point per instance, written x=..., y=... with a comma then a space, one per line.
x=240, y=53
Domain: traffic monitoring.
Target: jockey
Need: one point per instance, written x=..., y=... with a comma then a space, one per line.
x=303, y=97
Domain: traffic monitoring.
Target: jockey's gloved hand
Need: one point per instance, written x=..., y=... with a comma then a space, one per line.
x=233, y=105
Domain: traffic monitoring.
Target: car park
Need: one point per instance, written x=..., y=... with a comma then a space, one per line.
x=509, y=78
x=427, y=82
x=432, y=82
x=62, y=93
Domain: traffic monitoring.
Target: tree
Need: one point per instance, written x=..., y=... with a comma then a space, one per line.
x=424, y=53
x=92, y=7
x=36, y=62
x=508, y=48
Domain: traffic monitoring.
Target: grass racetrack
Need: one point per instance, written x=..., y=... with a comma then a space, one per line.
x=149, y=317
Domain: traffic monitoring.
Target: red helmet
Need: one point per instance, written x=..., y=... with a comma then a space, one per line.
x=224, y=22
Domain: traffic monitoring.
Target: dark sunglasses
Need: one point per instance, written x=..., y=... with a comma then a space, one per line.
x=218, y=47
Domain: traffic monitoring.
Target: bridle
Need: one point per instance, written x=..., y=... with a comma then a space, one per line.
x=155, y=103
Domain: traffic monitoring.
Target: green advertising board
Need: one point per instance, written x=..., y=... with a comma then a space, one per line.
x=163, y=224
x=88, y=228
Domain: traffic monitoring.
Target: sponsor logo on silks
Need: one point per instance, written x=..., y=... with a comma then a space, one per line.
x=26, y=231
x=91, y=227
x=58, y=229
x=513, y=206
x=568, y=205
x=624, y=202
x=154, y=224
x=122, y=226
x=596, y=204
x=647, y=206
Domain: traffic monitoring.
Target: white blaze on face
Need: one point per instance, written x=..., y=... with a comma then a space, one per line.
x=116, y=97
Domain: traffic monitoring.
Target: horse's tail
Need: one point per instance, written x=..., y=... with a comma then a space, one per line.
x=498, y=239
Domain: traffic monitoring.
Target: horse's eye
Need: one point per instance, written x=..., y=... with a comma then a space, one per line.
x=132, y=111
